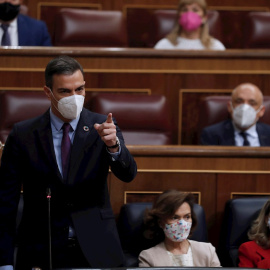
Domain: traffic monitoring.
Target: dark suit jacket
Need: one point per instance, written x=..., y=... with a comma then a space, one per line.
x=251, y=255
x=32, y=32
x=223, y=134
x=29, y=159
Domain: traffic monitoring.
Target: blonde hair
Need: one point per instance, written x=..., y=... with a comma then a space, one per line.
x=259, y=231
x=205, y=37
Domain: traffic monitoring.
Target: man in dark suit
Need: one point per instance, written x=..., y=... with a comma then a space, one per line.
x=83, y=231
x=243, y=129
x=22, y=30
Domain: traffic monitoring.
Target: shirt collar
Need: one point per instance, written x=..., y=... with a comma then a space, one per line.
x=12, y=24
x=251, y=131
x=58, y=123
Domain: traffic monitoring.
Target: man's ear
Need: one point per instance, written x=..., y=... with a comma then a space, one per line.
x=229, y=107
x=47, y=91
x=261, y=112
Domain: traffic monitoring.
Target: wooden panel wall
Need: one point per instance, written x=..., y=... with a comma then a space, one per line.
x=183, y=77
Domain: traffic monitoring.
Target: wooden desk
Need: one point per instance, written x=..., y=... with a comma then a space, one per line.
x=213, y=174
x=183, y=77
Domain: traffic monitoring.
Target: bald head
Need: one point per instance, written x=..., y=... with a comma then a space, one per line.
x=247, y=93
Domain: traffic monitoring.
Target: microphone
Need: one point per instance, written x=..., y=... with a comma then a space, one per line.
x=49, y=227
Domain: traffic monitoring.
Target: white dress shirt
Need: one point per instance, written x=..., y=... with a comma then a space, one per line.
x=13, y=33
x=252, y=136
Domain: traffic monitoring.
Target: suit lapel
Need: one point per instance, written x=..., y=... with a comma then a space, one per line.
x=84, y=138
x=263, y=135
x=44, y=135
x=21, y=31
x=228, y=135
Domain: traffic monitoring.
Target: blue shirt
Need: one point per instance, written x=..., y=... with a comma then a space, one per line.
x=252, y=137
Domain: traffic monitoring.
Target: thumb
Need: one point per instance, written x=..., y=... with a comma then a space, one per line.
x=109, y=118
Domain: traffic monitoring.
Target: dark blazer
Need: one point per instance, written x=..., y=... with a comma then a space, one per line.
x=251, y=255
x=29, y=159
x=223, y=134
x=32, y=32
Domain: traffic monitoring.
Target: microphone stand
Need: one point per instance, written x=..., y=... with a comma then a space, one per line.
x=49, y=227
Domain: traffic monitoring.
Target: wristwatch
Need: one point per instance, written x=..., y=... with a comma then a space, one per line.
x=116, y=145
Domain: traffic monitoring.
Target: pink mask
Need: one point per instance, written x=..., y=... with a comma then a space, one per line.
x=190, y=21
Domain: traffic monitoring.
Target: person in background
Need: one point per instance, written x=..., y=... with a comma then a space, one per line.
x=172, y=220
x=21, y=30
x=256, y=253
x=191, y=29
x=243, y=129
x=63, y=155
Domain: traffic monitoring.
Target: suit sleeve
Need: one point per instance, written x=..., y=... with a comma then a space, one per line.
x=206, y=137
x=124, y=167
x=46, y=38
x=10, y=186
x=144, y=260
x=245, y=256
x=214, y=258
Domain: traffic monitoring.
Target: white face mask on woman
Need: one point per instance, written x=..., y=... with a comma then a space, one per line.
x=177, y=231
x=244, y=115
x=70, y=107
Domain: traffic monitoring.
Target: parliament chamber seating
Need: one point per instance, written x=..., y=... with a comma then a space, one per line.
x=17, y=106
x=132, y=231
x=163, y=22
x=143, y=119
x=256, y=34
x=238, y=216
x=90, y=28
x=213, y=109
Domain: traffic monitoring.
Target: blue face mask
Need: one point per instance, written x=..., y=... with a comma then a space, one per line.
x=8, y=12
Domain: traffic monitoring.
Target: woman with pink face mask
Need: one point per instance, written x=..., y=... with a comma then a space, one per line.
x=191, y=29
x=172, y=220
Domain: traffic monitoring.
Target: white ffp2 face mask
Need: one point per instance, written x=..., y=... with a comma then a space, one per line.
x=244, y=115
x=70, y=107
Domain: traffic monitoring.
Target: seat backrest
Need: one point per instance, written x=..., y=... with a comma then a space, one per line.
x=16, y=106
x=256, y=33
x=238, y=217
x=95, y=28
x=213, y=109
x=132, y=231
x=163, y=22
x=143, y=119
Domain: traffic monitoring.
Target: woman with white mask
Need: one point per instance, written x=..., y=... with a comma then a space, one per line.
x=256, y=253
x=172, y=219
x=191, y=29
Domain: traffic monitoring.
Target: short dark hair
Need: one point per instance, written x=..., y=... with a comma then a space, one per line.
x=61, y=65
x=165, y=206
